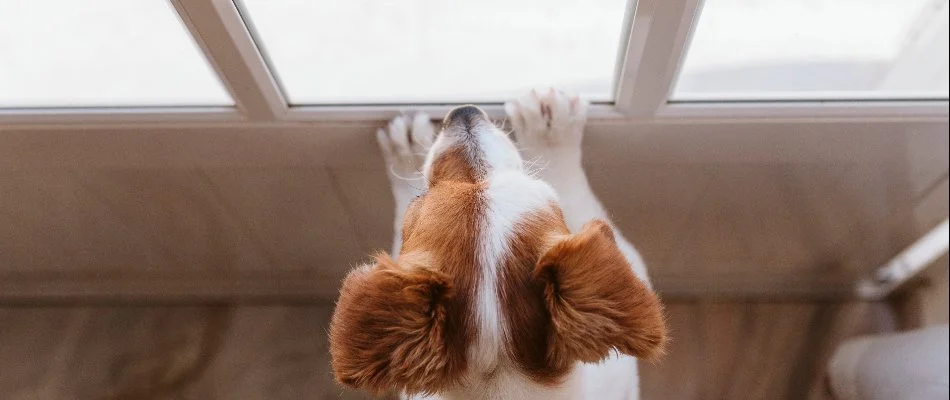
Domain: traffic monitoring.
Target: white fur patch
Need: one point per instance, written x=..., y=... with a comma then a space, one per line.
x=510, y=195
x=499, y=151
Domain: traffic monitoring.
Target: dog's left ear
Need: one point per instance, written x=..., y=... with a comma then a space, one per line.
x=596, y=302
x=390, y=330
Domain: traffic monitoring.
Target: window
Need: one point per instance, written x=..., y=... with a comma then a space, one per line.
x=291, y=61
x=817, y=50
x=118, y=53
x=432, y=51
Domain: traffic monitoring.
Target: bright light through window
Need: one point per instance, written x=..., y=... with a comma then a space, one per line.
x=69, y=53
x=817, y=49
x=433, y=51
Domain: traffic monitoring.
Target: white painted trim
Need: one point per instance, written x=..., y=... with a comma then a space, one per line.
x=621, y=65
x=655, y=49
x=345, y=113
x=805, y=111
x=207, y=117
x=83, y=118
x=696, y=113
x=906, y=265
x=758, y=112
x=809, y=96
x=227, y=44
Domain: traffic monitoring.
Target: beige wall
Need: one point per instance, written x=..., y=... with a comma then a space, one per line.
x=781, y=209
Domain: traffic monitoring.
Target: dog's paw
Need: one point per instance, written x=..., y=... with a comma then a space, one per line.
x=548, y=120
x=404, y=143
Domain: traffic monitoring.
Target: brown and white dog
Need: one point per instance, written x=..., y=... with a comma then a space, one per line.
x=503, y=285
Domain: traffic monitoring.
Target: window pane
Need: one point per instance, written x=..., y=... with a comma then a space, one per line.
x=430, y=51
x=69, y=53
x=817, y=49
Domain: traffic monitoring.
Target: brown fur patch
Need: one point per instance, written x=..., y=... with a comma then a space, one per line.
x=392, y=330
x=407, y=326
x=597, y=304
x=446, y=224
x=525, y=314
x=568, y=298
x=455, y=164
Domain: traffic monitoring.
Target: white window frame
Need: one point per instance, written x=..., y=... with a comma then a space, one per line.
x=649, y=62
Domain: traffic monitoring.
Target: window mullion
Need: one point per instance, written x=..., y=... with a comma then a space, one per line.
x=225, y=40
x=654, y=52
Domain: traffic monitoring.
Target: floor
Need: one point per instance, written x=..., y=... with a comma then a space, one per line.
x=739, y=350
x=720, y=350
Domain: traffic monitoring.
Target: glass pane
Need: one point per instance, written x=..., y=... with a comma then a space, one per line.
x=431, y=51
x=68, y=53
x=817, y=49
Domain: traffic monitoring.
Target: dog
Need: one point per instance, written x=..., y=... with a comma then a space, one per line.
x=504, y=282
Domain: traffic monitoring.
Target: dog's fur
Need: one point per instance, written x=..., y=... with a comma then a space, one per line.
x=504, y=286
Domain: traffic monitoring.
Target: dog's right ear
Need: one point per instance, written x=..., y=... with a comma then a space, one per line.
x=390, y=329
x=596, y=303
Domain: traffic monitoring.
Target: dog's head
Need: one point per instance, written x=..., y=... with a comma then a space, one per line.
x=488, y=277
